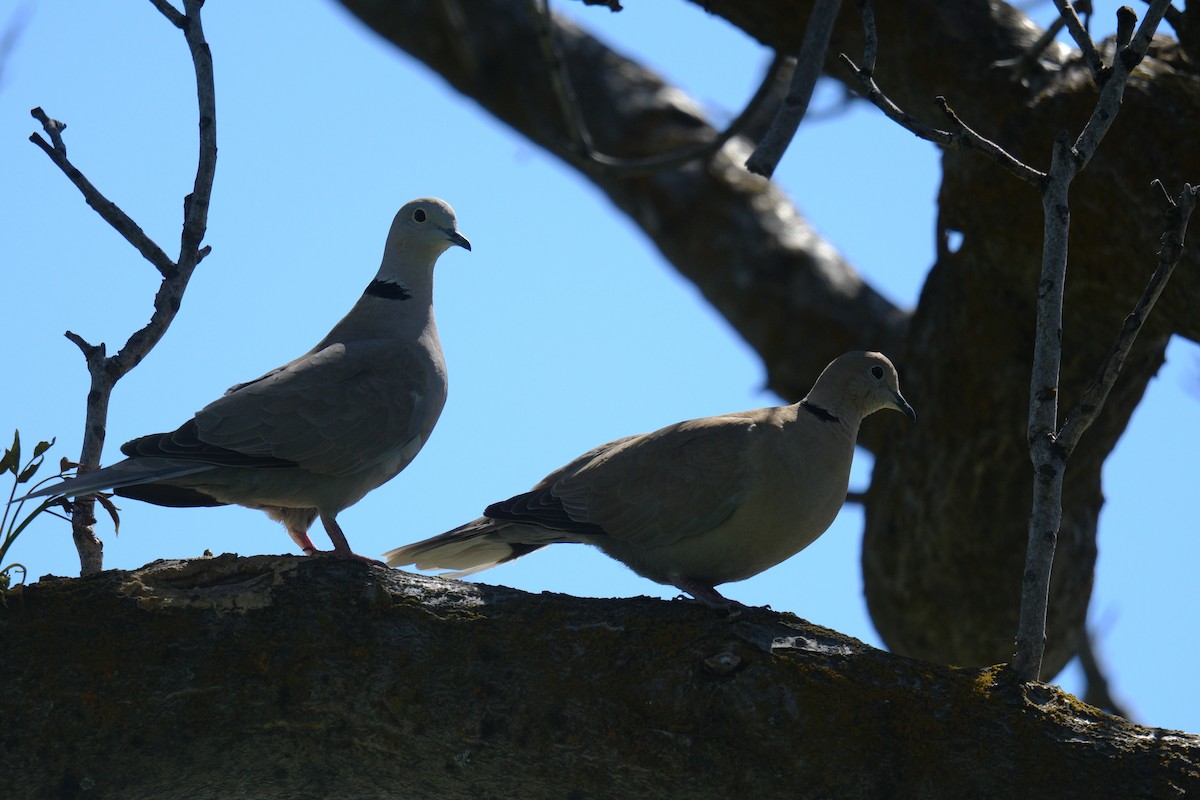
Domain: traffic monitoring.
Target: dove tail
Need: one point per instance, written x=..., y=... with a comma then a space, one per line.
x=130, y=472
x=471, y=548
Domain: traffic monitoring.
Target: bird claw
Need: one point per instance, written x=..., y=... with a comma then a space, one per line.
x=346, y=554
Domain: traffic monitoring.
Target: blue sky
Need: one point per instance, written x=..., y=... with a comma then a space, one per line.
x=563, y=329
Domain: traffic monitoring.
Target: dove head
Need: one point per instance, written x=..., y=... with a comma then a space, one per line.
x=859, y=383
x=422, y=230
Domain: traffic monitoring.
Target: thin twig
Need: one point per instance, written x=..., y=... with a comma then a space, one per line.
x=582, y=150
x=108, y=210
x=875, y=95
x=1089, y=405
x=968, y=137
x=195, y=221
x=90, y=351
x=560, y=82
x=1091, y=56
x=963, y=137
x=701, y=152
x=811, y=63
x=1175, y=18
x=1125, y=61
x=1022, y=64
x=871, y=45
x=170, y=12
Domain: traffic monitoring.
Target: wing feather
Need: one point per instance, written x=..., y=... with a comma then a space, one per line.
x=652, y=490
x=338, y=410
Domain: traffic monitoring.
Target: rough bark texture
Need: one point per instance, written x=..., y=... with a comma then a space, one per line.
x=286, y=677
x=947, y=510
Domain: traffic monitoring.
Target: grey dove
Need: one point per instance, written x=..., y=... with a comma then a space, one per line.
x=695, y=504
x=313, y=436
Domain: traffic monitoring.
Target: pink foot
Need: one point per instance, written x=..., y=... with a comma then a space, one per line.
x=708, y=595
x=347, y=554
x=341, y=548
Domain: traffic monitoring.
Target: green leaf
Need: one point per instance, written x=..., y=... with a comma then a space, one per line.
x=43, y=447
x=12, y=458
x=105, y=500
x=29, y=470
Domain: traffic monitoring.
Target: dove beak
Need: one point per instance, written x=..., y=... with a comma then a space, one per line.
x=454, y=237
x=903, y=407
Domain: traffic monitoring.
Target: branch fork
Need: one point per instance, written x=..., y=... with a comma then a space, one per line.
x=1051, y=445
x=106, y=371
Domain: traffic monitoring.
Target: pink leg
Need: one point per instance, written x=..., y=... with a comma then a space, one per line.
x=341, y=548
x=707, y=595
x=301, y=539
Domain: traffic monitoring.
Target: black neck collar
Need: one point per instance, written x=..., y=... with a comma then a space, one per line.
x=387, y=290
x=818, y=412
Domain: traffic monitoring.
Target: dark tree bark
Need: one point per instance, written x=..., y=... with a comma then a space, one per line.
x=291, y=677
x=948, y=505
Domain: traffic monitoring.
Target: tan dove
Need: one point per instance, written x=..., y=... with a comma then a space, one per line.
x=695, y=504
x=312, y=437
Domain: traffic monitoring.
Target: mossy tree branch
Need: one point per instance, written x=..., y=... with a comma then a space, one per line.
x=282, y=677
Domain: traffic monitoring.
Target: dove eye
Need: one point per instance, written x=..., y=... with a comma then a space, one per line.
x=877, y=372
x=419, y=215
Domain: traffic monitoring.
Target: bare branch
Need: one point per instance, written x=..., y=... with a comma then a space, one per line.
x=53, y=128
x=82, y=509
x=871, y=45
x=560, y=82
x=195, y=221
x=702, y=152
x=88, y=349
x=108, y=210
x=582, y=151
x=1049, y=462
x=195, y=206
x=1022, y=64
x=968, y=138
x=817, y=34
x=1048, y=448
x=105, y=372
x=875, y=95
x=963, y=136
x=1091, y=56
x=1092, y=401
x=170, y=12
x=1124, y=62
x=1126, y=19
x=1178, y=20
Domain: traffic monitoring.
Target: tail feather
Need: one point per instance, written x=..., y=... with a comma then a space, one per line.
x=474, y=547
x=130, y=472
